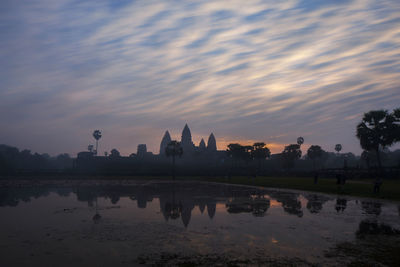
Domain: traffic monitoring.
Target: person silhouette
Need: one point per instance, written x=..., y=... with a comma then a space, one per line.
x=316, y=178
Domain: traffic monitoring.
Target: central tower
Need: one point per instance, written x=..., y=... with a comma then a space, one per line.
x=186, y=140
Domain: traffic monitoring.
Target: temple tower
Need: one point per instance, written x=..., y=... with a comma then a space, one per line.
x=212, y=143
x=186, y=140
x=164, y=142
x=202, y=145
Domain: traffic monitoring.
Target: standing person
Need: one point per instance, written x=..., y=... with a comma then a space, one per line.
x=338, y=178
x=316, y=178
x=377, y=185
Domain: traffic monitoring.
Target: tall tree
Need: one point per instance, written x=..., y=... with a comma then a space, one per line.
x=290, y=154
x=377, y=130
x=173, y=149
x=395, y=125
x=338, y=148
x=314, y=153
x=300, y=140
x=260, y=152
x=114, y=153
x=97, y=136
x=238, y=153
x=369, y=158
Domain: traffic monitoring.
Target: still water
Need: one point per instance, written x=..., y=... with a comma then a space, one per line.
x=130, y=223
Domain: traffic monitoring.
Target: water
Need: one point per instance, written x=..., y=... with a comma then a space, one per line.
x=106, y=223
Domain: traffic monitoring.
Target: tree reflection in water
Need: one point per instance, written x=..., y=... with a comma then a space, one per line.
x=341, y=204
x=315, y=202
x=257, y=205
x=178, y=200
x=368, y=227
x=290, y=202
x=373, y=208
x=171, y=208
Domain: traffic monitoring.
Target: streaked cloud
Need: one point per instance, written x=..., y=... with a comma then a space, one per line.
x=249, y=70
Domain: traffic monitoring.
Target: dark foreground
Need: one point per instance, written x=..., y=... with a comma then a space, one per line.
x=125, y=223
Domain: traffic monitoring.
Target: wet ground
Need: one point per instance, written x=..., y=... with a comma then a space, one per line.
x=125, y=223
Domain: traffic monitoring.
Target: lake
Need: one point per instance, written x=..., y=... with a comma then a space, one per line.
x=125, y=223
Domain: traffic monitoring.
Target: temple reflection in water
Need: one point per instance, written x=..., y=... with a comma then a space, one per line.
x=178, y=200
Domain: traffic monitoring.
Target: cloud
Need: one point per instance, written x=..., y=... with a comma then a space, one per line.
x=244, y=70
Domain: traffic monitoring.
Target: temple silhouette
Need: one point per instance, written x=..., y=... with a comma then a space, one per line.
x=201, y=159
x=187, y=143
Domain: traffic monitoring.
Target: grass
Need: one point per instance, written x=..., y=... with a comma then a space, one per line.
x=390, y=189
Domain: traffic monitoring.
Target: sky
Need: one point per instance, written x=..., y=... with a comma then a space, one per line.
x=245, y=70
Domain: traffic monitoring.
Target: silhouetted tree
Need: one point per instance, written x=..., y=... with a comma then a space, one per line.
x=64, y=161
x=114, y=153
x=173, y=149
x=395, y=126
x=90, y=148
x=300, y=140
x=315, y=152
x=260, y=152
x=365, y=156
x=290, y=154
x=370, y=159
x=238, y=152
x=338, y=148
x=97, y=136
x=377, y=130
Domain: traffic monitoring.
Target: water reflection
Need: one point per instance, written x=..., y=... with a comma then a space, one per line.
x=178, y=200
x=341, y=204
x=373, y=208
x=256, y=205
x=368, y=227
x=290, y=202
x=96, y=217
x=85, y=218
x=315, y=202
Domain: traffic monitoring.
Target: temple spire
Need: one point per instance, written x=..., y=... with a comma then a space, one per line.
x=202, y=145
x=164, y=142
x=186, y=140
x=212, y=143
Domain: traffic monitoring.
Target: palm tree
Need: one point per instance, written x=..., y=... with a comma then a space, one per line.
x=300, y=140
x=376, y=131
x=367, y=157
x=173, y=149
x=395, y=126
x=97, y=136
x=338, y=147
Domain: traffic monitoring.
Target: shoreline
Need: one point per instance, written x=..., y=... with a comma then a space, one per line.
x=390, y=190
